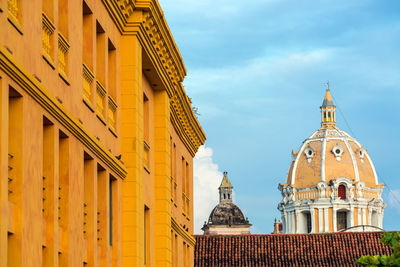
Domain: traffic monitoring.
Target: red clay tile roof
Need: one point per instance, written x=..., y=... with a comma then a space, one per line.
x=330, y=249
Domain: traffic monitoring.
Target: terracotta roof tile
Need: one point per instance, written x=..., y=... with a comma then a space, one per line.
x=330, y=249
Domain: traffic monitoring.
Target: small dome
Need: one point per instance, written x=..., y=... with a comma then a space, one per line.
x=227, y=213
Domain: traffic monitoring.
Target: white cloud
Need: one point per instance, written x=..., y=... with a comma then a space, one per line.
x=207, y=178
x=394, y=199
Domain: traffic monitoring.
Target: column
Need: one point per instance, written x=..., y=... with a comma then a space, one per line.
x=359, y=222
x=351, y=216
x=297, y=228
x=369, y=216
x=320, y=220
x=312, y=220
x=334, y=219
x=293, y=223
x=285, y=222
x=364, y=216
x=326, y=215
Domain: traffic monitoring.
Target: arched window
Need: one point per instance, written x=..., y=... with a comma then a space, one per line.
x=342, y=192
x=229, y=196
x=329, y=116
x=224, y=196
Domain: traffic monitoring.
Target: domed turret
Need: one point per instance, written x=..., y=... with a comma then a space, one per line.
x=226, y=217
x=331, y=183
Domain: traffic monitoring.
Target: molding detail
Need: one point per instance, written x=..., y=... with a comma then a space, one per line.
x=179, y=229
x=51, y=105
x=145, y=20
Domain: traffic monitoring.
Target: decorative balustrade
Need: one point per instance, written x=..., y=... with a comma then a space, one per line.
x=100, y=99
x=47, y=31
x=185, y=204
x=63, y=47
x=303, y=195
x=112, y=112
x=87, y=84
x=370, y=194
x=146, y=156
x=13, y=8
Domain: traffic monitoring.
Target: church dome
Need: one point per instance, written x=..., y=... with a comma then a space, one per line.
x=331, y=184
x=330, y=153
x=226, y=217
x=227, y=213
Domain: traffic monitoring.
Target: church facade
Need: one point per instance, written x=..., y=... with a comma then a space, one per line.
x=332, y=184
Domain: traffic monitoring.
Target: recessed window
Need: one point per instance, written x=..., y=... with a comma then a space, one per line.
x=342, y=192
x=341, y=218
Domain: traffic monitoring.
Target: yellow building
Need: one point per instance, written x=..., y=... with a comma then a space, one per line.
x=332, y=184
x=97, y=136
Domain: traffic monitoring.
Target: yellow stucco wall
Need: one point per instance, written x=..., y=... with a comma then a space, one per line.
x=72, y=80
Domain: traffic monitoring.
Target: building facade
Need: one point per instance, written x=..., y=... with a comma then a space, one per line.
x=332, y=184
x=226, y=218
x=97, y=136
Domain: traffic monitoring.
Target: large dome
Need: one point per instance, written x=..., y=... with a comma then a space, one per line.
x=330, y=153
x=331, y=184
x=227, y=213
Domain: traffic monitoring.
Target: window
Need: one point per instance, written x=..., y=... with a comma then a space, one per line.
x=112, y=196
x=308, y=221
x=342, y=192
x=146, y=236
x=341, y=218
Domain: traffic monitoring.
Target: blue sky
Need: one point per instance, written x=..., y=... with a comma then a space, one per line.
x=256, y=72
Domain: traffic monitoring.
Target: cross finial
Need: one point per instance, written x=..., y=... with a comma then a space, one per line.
x=327, y=85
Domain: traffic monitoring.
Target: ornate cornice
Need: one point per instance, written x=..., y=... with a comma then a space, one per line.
x=183, y=118
x=145, y=19
x=36, y=90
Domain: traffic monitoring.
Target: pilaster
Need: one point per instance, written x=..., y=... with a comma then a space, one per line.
x=162, y=179
x=132, y=151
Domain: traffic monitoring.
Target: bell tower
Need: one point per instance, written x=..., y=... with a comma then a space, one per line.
x=328, y=110
x=225, y=190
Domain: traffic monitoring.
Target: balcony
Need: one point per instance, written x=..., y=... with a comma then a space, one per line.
x=13, y=8
x=112, y=114
x=63, y=48
x=47, y=32
x=88, y=78
x=100, y=101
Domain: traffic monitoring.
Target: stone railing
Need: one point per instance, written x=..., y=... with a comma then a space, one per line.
x=100, y=97
x=47, y=31
x=112, y=110
x=303, y=195
x=63, y=47
x=87, y=84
